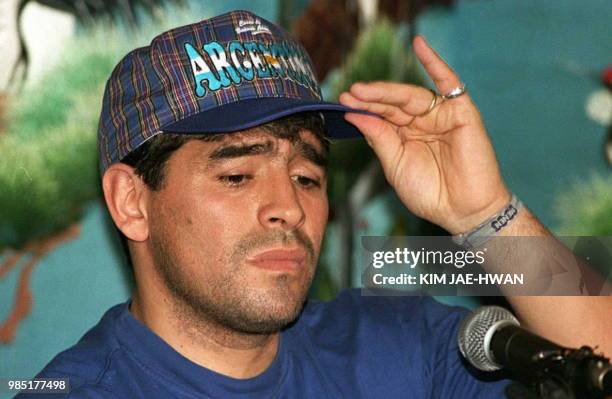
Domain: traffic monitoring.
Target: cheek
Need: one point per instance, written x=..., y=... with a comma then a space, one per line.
x=317, y=212
x=197, y=229
x=220, y=221
x=224, y=222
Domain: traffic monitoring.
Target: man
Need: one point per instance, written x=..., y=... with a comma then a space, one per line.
x=213, y=160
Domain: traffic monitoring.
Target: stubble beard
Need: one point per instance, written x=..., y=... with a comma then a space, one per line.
x=229, y=301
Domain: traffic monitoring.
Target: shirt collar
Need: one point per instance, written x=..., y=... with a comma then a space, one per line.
x=159, y=357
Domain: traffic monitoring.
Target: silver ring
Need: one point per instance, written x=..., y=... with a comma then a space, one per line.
x=454, y=93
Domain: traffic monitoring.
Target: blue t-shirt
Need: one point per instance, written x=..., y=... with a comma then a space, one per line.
x=352, y=347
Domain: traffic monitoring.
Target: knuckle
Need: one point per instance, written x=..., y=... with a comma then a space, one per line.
x=388, y=112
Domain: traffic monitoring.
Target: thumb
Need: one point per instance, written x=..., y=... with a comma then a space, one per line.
x=380, y=135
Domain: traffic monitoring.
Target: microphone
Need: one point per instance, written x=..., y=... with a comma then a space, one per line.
x=490, y=338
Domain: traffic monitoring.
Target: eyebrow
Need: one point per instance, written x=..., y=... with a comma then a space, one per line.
x=307, y=150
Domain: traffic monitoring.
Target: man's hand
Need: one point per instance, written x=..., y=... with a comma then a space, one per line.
x=443, y=167
x=441, y=164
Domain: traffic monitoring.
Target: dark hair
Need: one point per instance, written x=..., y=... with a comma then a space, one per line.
x=149, y=160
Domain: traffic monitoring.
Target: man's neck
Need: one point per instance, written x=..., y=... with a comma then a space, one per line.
x=205, y=342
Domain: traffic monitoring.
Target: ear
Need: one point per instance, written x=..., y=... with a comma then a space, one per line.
x=125, y=194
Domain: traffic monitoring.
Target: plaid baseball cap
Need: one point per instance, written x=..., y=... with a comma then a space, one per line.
x=228, y=73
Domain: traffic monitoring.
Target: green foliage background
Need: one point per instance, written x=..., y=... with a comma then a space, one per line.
x=381, y=52
x=586, y=208
x=48, y=160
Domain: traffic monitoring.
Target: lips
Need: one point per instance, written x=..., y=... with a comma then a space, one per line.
x=279, y=259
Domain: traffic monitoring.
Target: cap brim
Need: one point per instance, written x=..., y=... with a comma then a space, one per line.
x=246, y=114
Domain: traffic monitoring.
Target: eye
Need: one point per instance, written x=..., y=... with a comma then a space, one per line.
x=234, y=180
x=306, y=182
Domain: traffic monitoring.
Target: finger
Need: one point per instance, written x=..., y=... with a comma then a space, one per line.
x=390, y=112
x=442, y=75
x=413, y=100
x=418, y=125
x=380, y=135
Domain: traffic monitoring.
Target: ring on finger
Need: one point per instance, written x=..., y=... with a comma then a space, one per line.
x=455, y=92
x=432, y=104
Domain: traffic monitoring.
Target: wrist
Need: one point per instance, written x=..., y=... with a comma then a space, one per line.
x=491, y=227
x=475, y=219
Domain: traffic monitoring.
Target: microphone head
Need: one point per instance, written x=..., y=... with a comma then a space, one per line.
x=476, y=331
x=606, y=382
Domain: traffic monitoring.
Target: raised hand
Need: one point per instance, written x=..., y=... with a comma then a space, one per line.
x=436, y=155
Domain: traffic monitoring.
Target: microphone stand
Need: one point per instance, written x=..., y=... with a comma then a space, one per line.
x=563, y=374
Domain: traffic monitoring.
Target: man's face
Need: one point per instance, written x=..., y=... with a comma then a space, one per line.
x=236, y=229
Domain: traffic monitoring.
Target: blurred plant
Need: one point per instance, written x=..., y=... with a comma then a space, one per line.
x=380, y=53
x=48, y=161
x=586, y=209
x=48, y=164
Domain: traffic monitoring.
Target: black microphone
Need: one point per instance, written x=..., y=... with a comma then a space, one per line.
x=491, y=338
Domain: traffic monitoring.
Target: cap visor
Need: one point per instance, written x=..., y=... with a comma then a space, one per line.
x=246, y=114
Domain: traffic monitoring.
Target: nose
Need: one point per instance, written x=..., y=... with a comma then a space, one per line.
x=281, y=207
